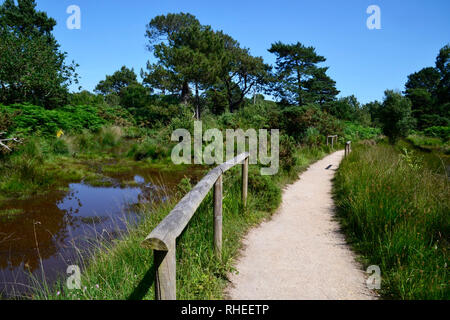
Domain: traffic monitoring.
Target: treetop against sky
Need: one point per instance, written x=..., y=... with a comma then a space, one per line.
x=363, y=61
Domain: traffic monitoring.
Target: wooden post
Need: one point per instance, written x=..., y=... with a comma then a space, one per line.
x=165, y=278
x=347, y=148
x=244, y=182
x=218, y=217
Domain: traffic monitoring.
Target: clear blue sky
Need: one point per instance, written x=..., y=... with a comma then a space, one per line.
x=363, y=62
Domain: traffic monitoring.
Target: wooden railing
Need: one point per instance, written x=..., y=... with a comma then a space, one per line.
x=2, y=141
x=348, y=148
x=333, y=138
x=162, y=240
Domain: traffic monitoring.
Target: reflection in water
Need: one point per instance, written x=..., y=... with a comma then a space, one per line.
x=43, y=238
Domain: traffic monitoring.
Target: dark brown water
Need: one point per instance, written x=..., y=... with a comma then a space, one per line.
x=43, y=238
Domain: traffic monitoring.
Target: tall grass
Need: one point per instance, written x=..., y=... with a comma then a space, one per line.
x=395, y=211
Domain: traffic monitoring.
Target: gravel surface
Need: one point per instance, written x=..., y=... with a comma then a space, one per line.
x=300, y=253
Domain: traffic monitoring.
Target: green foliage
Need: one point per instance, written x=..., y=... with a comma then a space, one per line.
x=134, y=96
x=355, y=132
x=85, y=98
x=436, y=131
x=33, y=119
x=288, y=158
x=116, y=115
x=295, y=121
x=110, y=136
x=148, y=149
x=195, y=55
x=32, y=68
x=312, y=137
x=59, y=147
x=395, y=212
x=428, y=90
x=298, y=79
x=349, y=108
x=6, y=118
x=395, y=116
x=116, y=82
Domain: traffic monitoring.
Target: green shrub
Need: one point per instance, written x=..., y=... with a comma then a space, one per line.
x=295, y=121
x=265, y=189
x=288, y=160
x=149, y=148
x=36, y=119
x=312, y=137
x=60, y=147
x=440, y=132
x=355, y=132
x=110, y=136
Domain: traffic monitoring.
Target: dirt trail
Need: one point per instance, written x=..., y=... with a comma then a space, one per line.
x=300, y=253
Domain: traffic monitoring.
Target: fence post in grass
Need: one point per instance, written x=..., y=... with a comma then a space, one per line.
x=244, y=182
x=218, y=217
x=162, y=239
x=165, y=278
x=347, y=148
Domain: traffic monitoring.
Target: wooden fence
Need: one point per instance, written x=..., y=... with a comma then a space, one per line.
x=348, y=148
x=162, y=240
x=333, y=139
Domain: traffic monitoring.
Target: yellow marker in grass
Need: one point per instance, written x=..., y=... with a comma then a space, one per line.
x=60, y=133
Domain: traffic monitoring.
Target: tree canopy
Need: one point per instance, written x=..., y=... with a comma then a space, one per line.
x=428, y=90
x=395, y=115
x=191, y=55
x=32, y=68
x=298, y=79
x=117, y=81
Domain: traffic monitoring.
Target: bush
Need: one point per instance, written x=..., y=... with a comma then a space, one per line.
x=395, y=116
x=312, y=137
x=36, y=119
x=59, y=147
x=265, y=189
x=355, y=132
x=110, y=136
x=288, y=160
x=295, y=121
x=440, y=132
x=149, y=148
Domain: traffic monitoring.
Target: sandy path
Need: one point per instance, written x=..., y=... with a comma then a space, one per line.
x=300, y=253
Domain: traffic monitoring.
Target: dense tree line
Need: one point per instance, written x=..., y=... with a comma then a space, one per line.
x=204, y=70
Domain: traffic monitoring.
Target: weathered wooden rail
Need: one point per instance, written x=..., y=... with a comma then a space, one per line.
x=333, y=139
x=348, y=148
x=162, y=240
x=2, y=141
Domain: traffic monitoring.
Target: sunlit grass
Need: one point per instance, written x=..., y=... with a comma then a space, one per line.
x=395, y=211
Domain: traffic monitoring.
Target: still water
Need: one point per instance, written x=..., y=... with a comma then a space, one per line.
x=43, y=239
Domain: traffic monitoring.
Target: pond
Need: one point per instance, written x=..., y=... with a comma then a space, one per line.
x=48, y=231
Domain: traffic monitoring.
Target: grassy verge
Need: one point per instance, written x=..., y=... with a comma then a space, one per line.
x=394, y=210
x=123, y=270
x=42, y=164
x=425, y=143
